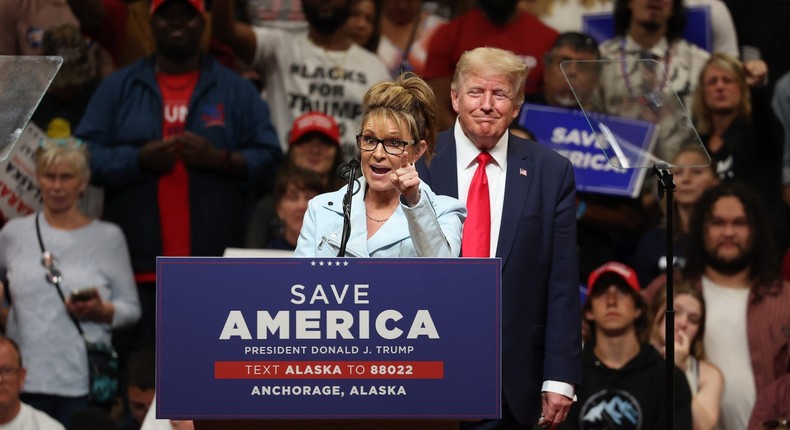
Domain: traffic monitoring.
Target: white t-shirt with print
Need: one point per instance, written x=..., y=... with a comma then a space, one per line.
x=300, y=77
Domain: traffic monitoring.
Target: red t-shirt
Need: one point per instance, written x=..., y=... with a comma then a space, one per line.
x=173, y=192
x=526, y=36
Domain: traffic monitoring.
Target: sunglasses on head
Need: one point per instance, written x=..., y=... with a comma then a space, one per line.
x=71, y=142
x=53, y=275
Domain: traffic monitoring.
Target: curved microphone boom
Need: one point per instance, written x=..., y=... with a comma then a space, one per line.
x=347, y=172
x=349, y=169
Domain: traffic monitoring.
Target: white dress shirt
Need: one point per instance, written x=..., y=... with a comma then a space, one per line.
x=466, y=153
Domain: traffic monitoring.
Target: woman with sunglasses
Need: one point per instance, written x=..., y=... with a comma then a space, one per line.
x=393, y=213
x=89, y=262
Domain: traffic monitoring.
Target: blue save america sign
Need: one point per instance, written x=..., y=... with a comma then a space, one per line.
x=328, y=338
x=568, y=132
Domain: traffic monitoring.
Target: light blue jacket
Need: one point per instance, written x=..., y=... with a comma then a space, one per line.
x=432, y=228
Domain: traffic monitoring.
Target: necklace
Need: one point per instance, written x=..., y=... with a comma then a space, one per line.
x=650, y=98
x=374, y=219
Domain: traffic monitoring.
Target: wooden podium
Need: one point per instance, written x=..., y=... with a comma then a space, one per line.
x=326, y=425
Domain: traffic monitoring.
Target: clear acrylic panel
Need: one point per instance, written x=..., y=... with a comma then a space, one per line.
x=638, y=119
x=23, y=82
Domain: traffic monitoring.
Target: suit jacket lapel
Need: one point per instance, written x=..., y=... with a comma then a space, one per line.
x=519, y=175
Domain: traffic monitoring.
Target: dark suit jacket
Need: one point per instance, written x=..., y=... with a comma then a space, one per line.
x=541, y=319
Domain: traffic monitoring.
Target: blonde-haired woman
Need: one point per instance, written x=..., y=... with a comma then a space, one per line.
x=393, y=213
x=721, y=109
x=62, y=245
x=704, y=378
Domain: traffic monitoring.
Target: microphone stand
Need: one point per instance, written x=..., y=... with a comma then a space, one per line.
x=667, y=185
x=349, y=172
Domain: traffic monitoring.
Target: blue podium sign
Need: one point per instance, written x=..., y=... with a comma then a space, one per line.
x=245, y=338
x=568, y=132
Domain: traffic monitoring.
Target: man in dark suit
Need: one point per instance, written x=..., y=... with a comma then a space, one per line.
x=530, y=224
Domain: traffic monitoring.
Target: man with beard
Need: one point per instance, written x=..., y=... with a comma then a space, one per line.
x=178, y=141
x=321, y=70
x=730, y=251
x=652, y=31
x=496, y=24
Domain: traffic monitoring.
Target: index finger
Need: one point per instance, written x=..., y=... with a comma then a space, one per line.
x=404, y=159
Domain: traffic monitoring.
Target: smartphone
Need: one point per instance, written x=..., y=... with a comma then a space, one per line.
x=83, y=294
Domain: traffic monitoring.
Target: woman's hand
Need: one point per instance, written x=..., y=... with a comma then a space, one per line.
x=756, y=73
x=92, y=309
x=682, y=349
x=407, y=180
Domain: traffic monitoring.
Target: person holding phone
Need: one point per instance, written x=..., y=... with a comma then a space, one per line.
x=393, y=213
x=83, y=255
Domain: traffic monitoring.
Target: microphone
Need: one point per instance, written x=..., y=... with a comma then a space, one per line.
x=347, y=172
x=348, y=169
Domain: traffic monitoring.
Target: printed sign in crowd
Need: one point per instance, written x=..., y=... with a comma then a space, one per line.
x=328, y=338
x=19, y=192
x=569, y=132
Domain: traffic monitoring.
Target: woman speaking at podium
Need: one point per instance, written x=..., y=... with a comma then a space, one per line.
x=392, y=212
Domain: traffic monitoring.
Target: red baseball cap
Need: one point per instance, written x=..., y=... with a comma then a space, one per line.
x=315, y=121
x=199, y=5
x=619, y=269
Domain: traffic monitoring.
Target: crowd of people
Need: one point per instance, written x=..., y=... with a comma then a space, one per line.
x=215, y=124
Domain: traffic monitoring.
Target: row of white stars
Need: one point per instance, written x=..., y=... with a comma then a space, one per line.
x=329, y=263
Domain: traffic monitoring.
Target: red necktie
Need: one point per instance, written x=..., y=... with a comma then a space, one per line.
x=476, y=240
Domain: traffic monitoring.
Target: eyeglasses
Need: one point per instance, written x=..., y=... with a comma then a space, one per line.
x=53, y=275
x=391, y=146
x=9, y=373
x=776, y=424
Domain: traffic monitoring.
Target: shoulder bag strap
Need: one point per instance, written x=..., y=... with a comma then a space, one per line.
x=56, y=279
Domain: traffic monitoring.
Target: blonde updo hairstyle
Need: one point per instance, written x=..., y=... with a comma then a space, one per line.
x=71, y=151
x=408, y=102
